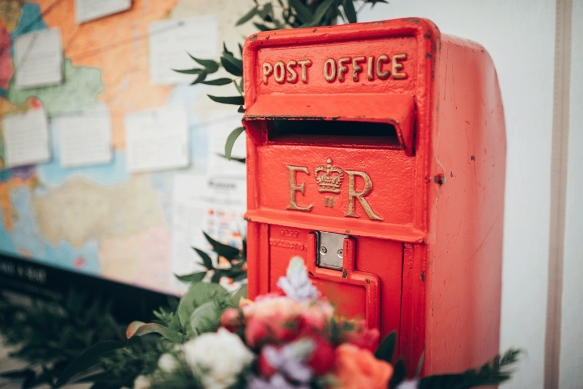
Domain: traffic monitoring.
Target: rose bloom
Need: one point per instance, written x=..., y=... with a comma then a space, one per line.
x=357, y=368
x=272, y=320
x=217, y=358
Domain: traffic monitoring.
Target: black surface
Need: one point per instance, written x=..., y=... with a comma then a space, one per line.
x=38, y=280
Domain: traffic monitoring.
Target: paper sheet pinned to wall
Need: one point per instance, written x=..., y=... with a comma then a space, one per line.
x=157, y=139
x=86, y=10
x=38, y=59
x=85, y=137
x=215, y=205
x=217, y=135
x=26, y=138
x=172, y=40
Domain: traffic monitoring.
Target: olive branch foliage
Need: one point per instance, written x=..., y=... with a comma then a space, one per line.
x=268, y=16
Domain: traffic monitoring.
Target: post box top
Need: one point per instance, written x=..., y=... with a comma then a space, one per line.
x=303, y=53
x=375, y=72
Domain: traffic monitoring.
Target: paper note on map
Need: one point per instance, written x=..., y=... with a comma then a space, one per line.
x=215, y=205
x=157, y=139
x=86, y=10
x=85, y=137
x=38, y=59
x=172, y=40
x=26, y=138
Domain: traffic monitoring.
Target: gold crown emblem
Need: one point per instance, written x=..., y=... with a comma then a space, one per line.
x=329, y=177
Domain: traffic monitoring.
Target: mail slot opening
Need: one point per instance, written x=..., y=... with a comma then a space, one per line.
x=353, y=132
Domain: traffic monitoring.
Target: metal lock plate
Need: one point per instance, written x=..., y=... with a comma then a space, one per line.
x=330, y=248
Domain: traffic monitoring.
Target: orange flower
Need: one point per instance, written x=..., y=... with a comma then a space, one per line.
x=357, y=368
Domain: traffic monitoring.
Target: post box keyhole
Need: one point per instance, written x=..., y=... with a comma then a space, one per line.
x=330, y=250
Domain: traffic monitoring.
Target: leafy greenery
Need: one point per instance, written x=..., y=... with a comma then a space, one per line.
x=237, y=261
x=49, y=335
x=267, y=16
x=493, y=372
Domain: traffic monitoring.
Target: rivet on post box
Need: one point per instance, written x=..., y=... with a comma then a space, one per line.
x=348, y=127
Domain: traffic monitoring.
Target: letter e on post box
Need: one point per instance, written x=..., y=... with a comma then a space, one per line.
x=376, y=152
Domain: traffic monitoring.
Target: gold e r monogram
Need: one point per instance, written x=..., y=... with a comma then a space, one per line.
x=352, y=194
x=294, y=187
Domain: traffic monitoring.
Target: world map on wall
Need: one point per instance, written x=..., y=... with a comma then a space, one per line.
x=97, y=219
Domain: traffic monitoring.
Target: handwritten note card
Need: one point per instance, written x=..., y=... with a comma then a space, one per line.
x=172, y=40
x=38, y=59
x=86, y=10
x=26, y=138
x=85, y=137
x=157, y=139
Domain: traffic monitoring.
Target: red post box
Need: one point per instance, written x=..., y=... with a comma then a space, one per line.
x=376, y=152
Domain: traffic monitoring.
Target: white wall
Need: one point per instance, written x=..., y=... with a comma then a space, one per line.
x=519, y=35
x=571, y=368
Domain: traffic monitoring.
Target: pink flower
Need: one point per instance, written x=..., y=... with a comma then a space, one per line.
x=272, y=321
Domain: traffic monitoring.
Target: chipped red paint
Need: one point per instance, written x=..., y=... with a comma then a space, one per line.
x=422, y=206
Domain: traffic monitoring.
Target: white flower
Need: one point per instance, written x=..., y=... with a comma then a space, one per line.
x=167, y=363
x=217, y=358
x=142, y=382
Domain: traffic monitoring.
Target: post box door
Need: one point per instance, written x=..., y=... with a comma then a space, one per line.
x=359, y=276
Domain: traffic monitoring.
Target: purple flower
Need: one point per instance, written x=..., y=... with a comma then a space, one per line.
x=290, y=358
x=296, y=283
x=277, y=381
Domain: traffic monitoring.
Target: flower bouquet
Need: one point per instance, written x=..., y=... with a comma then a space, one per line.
x=284, y=340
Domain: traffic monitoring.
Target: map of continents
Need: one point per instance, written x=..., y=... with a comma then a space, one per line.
x=96, y=219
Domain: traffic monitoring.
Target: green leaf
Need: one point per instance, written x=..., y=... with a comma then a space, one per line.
x=224, y=250
x=138, y=328
x=248, y=16
x=240, y=160
x=232, y=64
x=235, y=100
x=206, y=260
x=262, y=27
x=302, y=12
x=201, y=77
x=241, y=293
x=420, y=364
x=374, y=2
x=387, y=348
x=349, y=10
x=210, y=66
x=231, y=142
x=87, y=359
x=205, y=318
x=218, y=81
x=266, y=12
x=225, y=50
x=190, y=278
x=197, y=295
x=189, y=71
x=399, y=374
x=322, y=9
